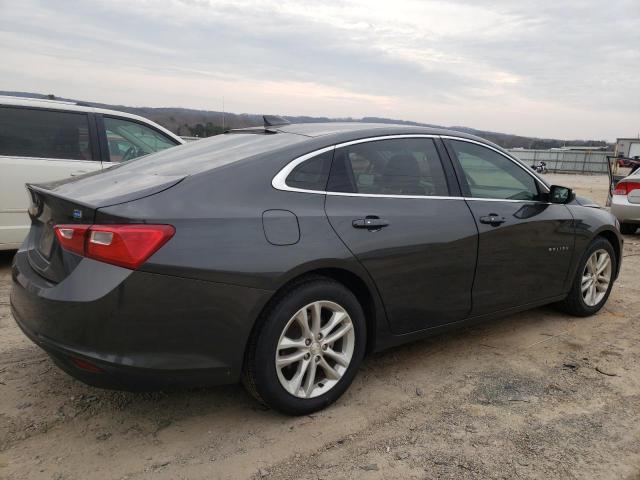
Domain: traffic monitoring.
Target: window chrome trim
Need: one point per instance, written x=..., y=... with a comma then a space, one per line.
x=386, y=137
x=383, y=195
x=279, y=181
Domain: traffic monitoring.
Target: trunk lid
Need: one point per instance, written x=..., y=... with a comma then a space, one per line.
x=44, y=253
x=76, y=201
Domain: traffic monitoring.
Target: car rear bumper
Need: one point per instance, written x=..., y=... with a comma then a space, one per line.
x=624, y=210
x=139, y=330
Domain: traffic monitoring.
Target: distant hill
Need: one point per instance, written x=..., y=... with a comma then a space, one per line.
x=192, y=122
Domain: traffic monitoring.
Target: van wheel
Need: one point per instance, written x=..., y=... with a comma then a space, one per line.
x=593, y=281
x=628, y=228
x=307, y=349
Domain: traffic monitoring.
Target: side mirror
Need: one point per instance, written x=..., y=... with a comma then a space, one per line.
x=558, y=194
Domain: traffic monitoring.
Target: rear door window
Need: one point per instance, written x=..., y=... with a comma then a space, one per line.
x=127, y=140
x=402, y=166
x=39, y=133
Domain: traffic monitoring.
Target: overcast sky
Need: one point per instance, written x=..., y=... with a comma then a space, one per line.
x=554, y=68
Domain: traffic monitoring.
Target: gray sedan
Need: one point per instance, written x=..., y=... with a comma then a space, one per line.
x=283, y=255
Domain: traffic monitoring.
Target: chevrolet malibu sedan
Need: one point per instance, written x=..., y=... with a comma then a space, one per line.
x=281, y=256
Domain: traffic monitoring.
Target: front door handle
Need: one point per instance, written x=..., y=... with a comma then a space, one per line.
x=370, y=222
x=493, y=219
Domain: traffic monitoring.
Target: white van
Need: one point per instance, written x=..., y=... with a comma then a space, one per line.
x=47, y=140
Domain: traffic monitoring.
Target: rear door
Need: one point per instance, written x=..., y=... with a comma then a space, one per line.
x=396, y=206
x=124, y=139
x=525, y=243
x=37, y=146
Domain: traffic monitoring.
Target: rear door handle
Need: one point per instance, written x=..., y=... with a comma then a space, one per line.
x=493, y=219
x=370, y=222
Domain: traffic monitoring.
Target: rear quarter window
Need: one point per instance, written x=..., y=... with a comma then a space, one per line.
x=312, y=174
x=39, y=133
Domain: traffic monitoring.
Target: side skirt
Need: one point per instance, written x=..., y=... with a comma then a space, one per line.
x=389, y=341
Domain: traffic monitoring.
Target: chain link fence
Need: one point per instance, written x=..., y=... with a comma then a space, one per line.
x=566, y=161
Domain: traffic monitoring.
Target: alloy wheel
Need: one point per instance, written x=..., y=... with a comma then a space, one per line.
x=596, y=277
x=315, y=349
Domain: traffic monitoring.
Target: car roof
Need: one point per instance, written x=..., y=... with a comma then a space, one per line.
x=366, y=129
x=75, y=107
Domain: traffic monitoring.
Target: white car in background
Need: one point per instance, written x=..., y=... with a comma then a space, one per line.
x=47, y=140
x=625, y=203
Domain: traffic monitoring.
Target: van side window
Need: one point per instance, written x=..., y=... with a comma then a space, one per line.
x=39, y=133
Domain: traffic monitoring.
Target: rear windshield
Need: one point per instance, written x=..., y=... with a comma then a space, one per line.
x=209, y=153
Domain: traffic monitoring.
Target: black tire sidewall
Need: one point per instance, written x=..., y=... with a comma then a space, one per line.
x=628, y=228
x=266, y=379
x=597, y=244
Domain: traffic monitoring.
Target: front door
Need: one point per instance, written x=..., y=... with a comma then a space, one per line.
x=525, y=243
x=390, y=202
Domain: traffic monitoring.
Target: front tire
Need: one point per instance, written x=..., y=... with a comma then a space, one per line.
x=307, y=348
x=593, y=280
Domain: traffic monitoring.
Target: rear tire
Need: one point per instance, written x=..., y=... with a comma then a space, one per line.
x=593, y=280
x=298, y=370
x=628, y=228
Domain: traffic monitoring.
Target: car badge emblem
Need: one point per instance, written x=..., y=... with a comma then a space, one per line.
x=77, y=214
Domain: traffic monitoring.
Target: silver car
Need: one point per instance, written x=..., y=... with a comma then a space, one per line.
x=625, y=203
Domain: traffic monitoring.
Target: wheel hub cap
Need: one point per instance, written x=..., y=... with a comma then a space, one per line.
x=596, y=277
x=315, y=349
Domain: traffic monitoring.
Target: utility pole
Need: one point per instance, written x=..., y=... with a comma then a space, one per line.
x=223, y=114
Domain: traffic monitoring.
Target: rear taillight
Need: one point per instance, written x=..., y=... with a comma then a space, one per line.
x=72, y=237
x=127, y=246
x=625, y=187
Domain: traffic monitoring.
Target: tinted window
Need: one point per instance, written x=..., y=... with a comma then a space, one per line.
x=492, y=175
x=406, y=166
x=311, y=174
x=26, y=132
x=128, y=140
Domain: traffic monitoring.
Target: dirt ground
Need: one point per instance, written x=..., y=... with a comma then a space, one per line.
x=535, y=395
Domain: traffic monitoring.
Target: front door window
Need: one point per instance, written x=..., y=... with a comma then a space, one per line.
x=128, y=140
x=492, y=175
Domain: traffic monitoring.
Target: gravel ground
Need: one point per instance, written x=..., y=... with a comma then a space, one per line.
x=534, y=395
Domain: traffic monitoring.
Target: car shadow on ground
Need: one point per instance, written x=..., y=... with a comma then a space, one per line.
x=158, y=409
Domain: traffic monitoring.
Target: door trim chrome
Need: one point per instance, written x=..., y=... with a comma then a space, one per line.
x=279, y=180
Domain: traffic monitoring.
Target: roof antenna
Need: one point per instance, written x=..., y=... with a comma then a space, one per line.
x=274, y=121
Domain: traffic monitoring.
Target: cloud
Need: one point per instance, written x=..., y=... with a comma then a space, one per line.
x=497, y=65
